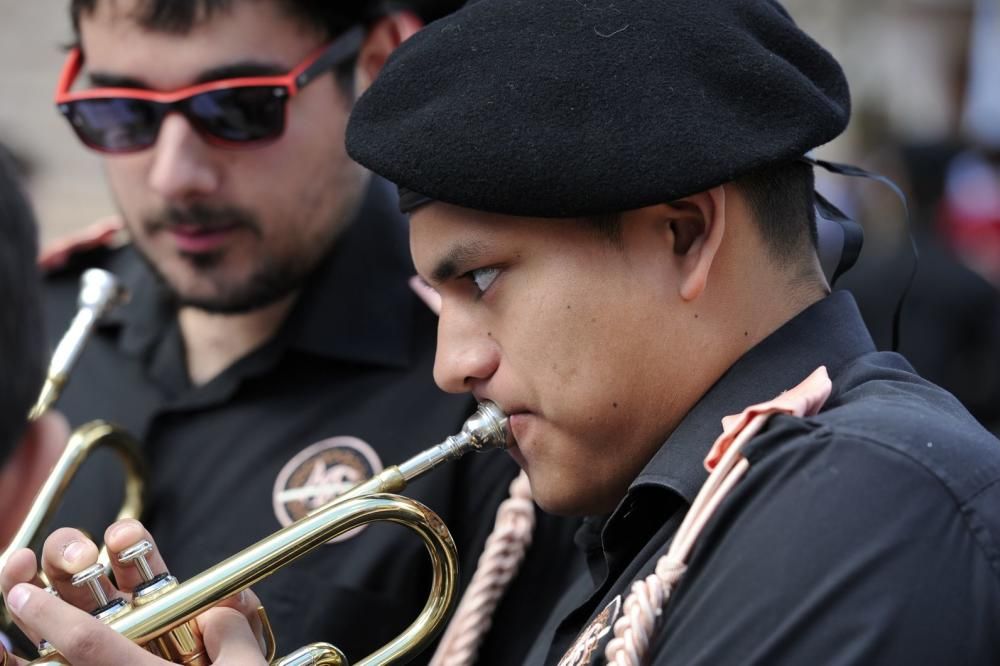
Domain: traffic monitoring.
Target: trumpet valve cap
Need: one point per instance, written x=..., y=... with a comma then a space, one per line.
x=91, y=577
x=136, y=555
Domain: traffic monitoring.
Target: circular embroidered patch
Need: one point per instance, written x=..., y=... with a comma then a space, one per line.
x=592, y=638
x=319, y=473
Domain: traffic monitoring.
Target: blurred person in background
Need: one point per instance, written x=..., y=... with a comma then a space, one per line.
x=950, y=322
x=27, y=448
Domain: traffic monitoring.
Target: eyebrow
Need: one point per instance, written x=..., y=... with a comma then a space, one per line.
x=454, y=261
x=232, y=71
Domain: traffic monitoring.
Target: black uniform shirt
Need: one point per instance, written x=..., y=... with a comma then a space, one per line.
x=868, y=534
x=345, y=387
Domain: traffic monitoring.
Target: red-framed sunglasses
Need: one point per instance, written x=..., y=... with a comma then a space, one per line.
x=233, y=113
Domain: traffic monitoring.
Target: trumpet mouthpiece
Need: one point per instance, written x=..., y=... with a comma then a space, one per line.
x=100, y=291
x=487, y=428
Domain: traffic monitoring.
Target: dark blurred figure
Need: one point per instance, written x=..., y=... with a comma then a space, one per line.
x=950, y=325
x=27, y=450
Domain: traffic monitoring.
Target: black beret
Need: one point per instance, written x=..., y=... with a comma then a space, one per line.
x=565, y=108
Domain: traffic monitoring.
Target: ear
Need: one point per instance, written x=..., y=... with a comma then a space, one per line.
x=698, y=224
x=383, y=37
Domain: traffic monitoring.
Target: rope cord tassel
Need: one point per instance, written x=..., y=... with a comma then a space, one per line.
x=498, y=565
x=643, y=608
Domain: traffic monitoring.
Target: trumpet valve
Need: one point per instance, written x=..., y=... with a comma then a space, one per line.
x=92, y=577
x=180, y=645
x=153, y=585
x=136, y=556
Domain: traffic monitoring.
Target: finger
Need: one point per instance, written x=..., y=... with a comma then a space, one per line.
x=249, y=605
x=65, y=553
x=123, y=535
x=82, y=639
x=22, y=567
x=228, y=637
x=246, y=602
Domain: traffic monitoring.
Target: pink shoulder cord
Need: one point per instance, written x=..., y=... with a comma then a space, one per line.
x=499, y=563
x=644, y=605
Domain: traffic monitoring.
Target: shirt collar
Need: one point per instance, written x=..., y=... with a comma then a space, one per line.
x=830, y=332
x=356, y=307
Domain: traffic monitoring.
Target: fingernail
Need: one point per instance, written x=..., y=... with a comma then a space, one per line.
x=73, y=551
x=121, y=528
x=243, y=597
x=17, y=597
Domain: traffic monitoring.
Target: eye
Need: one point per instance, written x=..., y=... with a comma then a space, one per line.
x=484, y=277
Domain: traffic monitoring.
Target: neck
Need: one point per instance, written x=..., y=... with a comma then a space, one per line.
x=213, y=342
x=759, y=314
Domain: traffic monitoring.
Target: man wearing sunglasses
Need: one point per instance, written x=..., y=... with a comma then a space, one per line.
x=273, y=353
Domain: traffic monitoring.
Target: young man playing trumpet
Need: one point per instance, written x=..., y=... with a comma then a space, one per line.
x=614, y=203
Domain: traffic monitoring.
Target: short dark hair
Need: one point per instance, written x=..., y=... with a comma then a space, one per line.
x=330, y=17
x=179, y=16
x=781, y=198
x=608, y=226
x=22, y=351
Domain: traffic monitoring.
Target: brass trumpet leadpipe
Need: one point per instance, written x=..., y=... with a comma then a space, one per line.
x=487, y=428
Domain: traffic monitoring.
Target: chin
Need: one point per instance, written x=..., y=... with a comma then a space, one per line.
x=558, y=503
x=570, y=500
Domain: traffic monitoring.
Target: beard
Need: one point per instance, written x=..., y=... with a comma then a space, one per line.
x=273, y=277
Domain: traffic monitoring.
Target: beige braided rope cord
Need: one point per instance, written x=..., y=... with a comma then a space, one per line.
x=502, y=556
x=644, y=605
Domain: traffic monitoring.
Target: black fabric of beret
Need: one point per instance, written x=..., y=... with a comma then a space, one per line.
x=564, y=108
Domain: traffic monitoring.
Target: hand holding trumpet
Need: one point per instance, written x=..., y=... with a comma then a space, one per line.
x=231, y=631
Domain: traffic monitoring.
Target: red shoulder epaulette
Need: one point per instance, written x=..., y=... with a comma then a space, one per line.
x=101, y=234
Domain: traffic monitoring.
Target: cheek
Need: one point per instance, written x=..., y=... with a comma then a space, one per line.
x=589, y=350
x=127, y=177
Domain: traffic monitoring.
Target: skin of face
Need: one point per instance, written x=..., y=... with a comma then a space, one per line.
x=273, y=210
x=584, y=343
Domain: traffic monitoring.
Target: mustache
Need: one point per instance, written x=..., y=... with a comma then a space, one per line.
x=205, y=218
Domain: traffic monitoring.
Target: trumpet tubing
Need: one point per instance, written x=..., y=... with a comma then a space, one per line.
x=366, y=503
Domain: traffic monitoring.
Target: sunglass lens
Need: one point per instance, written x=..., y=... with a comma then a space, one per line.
x=115, y=124
x=240, y=114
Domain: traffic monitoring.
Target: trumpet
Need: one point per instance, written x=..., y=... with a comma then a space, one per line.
x=100, y=291
x=152, y=622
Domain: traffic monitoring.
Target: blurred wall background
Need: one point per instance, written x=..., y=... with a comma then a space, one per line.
x=66, y=182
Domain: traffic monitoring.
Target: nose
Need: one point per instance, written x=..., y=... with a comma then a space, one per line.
x=465, y=353
x=182, y=165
